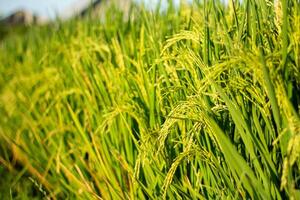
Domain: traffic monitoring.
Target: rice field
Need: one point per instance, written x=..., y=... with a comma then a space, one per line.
x=196, y=102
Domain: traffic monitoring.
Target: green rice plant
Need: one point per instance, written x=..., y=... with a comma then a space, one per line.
x=195, y=102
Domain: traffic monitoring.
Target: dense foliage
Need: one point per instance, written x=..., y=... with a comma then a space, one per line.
x=199, y=102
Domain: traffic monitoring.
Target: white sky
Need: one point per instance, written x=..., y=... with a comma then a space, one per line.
x=46, y=8
x=53, y=8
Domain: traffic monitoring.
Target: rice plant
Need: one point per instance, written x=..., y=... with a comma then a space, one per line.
x=196, y=102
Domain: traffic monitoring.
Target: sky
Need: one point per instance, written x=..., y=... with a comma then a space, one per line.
x=45, y=8
x=53, y=8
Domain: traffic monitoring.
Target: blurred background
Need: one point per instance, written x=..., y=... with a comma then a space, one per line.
x=17, y=15
x=51, y=9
